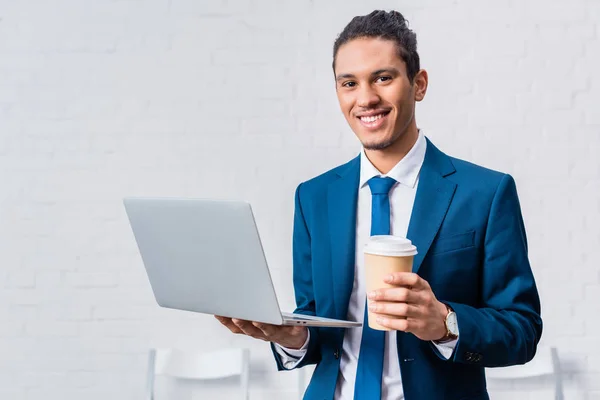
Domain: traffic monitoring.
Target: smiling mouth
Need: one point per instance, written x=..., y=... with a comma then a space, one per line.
x=373, y=121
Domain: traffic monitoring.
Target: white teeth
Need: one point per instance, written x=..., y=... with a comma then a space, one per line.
x=372, y=118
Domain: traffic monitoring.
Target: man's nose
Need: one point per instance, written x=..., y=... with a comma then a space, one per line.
x=368, y=98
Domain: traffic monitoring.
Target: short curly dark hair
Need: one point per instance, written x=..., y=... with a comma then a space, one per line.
x=390, y=25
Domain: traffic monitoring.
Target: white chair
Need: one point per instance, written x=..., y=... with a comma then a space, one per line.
x=199, y=366
x=545, y=363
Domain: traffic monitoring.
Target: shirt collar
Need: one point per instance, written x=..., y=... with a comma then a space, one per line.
x=405, y=172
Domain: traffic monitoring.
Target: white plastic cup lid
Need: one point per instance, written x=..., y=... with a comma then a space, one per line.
x=388, y=245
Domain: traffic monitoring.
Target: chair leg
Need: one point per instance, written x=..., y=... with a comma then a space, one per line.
x=558, y=388
x=150, y=374
x=245, y=377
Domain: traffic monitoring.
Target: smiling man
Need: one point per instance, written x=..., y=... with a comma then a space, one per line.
x=471, y=301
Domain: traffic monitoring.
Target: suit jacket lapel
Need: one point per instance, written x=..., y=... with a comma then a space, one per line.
x=432, y=201
x=342, y=205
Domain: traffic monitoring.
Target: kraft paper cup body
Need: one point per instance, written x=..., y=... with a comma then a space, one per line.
x=385, y=254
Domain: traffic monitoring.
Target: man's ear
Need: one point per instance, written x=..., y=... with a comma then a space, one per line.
x=420, y=82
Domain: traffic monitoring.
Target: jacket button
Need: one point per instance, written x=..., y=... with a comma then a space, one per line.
x=336, y=354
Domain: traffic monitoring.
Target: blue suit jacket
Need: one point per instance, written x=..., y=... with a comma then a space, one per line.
x=472, y=249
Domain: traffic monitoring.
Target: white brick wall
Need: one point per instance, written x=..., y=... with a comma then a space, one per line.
x=234, y=98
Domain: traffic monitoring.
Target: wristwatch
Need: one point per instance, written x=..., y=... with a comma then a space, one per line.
x=451, y=326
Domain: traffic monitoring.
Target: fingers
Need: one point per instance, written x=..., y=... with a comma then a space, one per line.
x=397, y=294
x=240, y=326
x=287, y=336
x=228, y=322
x=249, y=329
x=396, y=309
x=407, y=279
x=404, y=325
x=267, y=330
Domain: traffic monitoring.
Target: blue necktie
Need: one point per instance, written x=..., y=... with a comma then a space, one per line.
x=370, y=358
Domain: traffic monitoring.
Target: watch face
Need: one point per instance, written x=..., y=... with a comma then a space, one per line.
x=452, y=324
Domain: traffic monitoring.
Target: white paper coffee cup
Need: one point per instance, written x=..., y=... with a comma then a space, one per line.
x=385, y=254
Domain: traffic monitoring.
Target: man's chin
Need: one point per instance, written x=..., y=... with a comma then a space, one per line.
x=377, y=145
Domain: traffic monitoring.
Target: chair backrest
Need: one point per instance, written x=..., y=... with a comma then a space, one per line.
x=545, y=363
x=192, y=364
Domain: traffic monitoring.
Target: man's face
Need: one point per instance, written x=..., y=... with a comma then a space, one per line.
x=374, y=91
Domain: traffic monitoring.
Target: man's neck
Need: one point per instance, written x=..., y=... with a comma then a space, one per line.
x=384, y=160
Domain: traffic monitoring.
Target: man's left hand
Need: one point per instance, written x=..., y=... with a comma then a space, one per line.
x=413, y=300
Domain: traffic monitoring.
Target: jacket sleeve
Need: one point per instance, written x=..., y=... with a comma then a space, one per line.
x=303, y=283
x=508, y=326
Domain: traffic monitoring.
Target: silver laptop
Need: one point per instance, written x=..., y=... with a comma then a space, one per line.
x=206, y=256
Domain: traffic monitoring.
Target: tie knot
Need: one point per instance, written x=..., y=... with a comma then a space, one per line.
x=380, y=185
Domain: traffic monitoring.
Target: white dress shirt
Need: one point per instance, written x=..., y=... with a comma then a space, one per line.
x=402, y=197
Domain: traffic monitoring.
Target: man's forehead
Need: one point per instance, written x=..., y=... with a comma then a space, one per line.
x=366, y=56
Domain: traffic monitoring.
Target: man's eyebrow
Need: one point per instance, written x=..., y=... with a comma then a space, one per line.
x=391, y=70
x=344, y=76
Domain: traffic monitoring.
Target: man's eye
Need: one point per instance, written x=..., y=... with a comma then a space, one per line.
x=349, y=84
x=384, y=78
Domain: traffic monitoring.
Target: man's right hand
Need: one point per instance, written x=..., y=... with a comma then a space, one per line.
x=291, y=337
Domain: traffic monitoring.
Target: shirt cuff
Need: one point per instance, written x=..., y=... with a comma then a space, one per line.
x=446, y=349
x=290, y=358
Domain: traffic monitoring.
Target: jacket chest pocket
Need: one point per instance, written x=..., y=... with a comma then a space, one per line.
x=453, y=242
